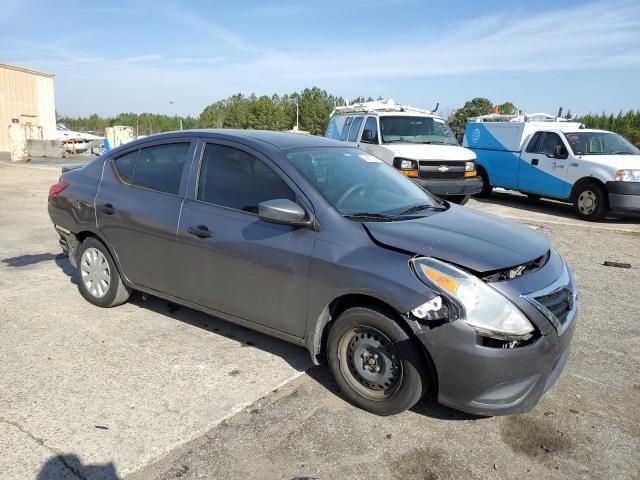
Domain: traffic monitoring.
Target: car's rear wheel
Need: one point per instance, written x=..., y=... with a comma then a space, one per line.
x=377, y=366
x=591, y=202
x=99, y=280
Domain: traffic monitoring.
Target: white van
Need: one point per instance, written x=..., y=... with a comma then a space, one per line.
x=547, y=156
x=418, y=143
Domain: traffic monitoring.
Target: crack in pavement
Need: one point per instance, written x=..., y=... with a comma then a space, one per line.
x=58, y=455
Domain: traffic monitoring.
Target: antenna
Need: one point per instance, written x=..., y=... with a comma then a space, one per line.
x=436, y=108
x=560, y=113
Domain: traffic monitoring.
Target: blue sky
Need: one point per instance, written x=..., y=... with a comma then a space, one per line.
x=110, y=57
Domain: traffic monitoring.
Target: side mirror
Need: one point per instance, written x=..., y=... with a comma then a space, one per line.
x=282, y=211
x=367, y=136
x=559, y=152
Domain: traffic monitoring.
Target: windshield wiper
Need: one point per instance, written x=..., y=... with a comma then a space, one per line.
x=429, y=142
x=370, y=216
x=422, y=206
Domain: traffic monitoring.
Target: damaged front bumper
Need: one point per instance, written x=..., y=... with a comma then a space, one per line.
x=497, y=380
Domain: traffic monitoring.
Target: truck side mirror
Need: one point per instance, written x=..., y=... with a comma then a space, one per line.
x=559, y=152
x=367, y=136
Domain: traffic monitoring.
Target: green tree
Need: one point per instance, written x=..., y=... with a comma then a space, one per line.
x=473, y=108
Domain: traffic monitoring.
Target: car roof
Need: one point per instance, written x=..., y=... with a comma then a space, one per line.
x=280, y=140
x=374, y=113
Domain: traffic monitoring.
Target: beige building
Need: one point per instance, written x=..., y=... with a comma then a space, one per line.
x=26, y=97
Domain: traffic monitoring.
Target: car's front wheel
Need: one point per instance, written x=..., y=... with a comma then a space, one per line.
x=99, y=280
x=377, y=366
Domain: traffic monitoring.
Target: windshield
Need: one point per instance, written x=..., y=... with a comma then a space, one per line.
x=354, y=182
x=599, y=143
x=425, y=130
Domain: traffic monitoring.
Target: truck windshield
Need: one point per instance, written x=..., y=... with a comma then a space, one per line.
x=599, y=143
x=414, y=129
x=360, y=185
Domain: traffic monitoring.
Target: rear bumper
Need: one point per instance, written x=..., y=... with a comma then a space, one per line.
x=624, y=196
x=463, y=186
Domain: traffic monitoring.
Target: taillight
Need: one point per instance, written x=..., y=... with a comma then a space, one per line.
x=56, y=189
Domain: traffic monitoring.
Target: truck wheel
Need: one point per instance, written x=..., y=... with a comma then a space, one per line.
x=591, y=202
x=485, y=191
x=99, y=280
x=377, y=366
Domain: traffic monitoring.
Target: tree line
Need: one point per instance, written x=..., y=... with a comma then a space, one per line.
x=314, y=106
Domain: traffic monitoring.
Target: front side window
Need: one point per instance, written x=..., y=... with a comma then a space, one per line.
x=355, y=128
x=599, y=143
x=160, y=167
x=414, y=129
x=370, y=131
x=533, y=144
x=125, y=165
x=353, y=181
x=549, y=143
x=236, y=179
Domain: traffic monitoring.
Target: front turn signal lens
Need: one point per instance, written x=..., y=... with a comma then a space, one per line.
x=410, y=173
x=470, y=174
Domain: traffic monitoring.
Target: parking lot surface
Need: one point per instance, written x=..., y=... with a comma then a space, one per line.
x=150, y=391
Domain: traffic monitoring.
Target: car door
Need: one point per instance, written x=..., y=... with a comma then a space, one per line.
x=543, y=166
x=137, y=209
x=231, y=260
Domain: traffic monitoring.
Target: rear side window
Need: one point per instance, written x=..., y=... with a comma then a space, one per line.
x=160, y=167
x=236, y=179
x=345, y=129
x=355, y=128
x=334, y=128
x=533, y=144
x=125, y=166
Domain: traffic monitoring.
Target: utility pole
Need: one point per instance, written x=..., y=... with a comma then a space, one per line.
x=179, y=114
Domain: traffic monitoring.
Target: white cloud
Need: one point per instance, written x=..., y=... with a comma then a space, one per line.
x=595, y=36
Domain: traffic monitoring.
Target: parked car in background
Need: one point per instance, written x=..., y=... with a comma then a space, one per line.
x=546, y=156
x=417, y=142
x=326, y=246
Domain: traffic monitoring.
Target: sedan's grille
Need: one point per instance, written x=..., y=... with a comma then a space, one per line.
x=559, y=304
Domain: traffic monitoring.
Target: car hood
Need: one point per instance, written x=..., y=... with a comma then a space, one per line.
x=430, y=152
x=618, y=161
x=465, y=237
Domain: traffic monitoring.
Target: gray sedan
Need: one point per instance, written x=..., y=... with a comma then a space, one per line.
x=325, y=246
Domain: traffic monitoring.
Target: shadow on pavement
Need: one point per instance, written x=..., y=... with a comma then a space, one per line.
x=26, y=260
x=69, y=467
x=549, y=207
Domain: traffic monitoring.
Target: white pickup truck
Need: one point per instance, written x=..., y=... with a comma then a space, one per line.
x=546, y=156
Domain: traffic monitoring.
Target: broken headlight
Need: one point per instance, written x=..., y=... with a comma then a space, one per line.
x=479, y=305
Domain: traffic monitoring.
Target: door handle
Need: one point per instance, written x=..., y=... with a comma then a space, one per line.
x=534, y=161
x=108, y=209
x=200, y=231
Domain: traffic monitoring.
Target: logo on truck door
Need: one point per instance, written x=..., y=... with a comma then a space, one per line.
x=475, y=135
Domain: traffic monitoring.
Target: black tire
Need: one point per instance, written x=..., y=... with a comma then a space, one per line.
x=401, y=378
x=458, y=199
x=485, y=191
x=591, y=202
x=116, y=292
